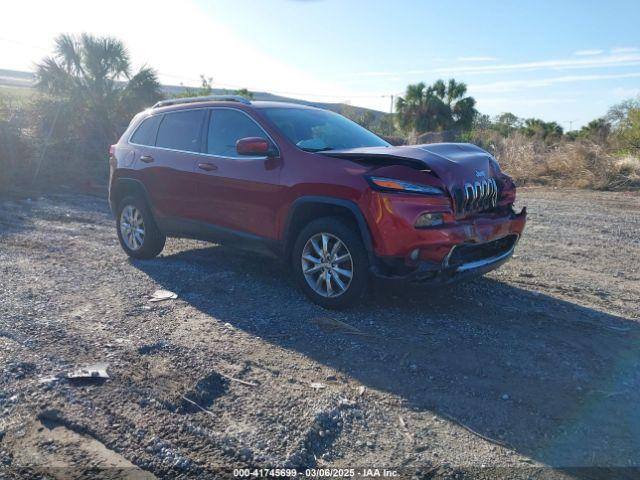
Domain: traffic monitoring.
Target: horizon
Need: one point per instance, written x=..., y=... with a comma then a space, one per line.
x=544, y=63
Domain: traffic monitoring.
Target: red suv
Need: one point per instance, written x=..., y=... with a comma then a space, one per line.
x=336, y=202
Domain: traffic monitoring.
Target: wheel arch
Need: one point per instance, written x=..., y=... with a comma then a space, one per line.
x=124, y=187
x=308, y=208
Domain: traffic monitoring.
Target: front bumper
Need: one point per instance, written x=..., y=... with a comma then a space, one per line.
x=472, y=248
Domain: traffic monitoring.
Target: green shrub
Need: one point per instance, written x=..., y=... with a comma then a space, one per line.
x=16, y=148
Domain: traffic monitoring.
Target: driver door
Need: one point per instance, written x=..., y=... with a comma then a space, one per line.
x=242, y=193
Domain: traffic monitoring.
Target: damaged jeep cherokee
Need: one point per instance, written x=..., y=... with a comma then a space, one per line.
x=336, y=202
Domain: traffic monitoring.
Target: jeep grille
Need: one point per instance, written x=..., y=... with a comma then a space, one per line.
x=476, y=196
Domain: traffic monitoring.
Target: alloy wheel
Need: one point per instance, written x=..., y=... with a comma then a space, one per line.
x=132, y=227
x=327, y=265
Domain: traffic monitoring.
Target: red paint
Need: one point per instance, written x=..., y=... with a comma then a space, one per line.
x=252, y=146
x=241, y=194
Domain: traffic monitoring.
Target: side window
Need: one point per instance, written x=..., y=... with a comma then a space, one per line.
x=181, y=130
x=145, y=134
x=226, y=128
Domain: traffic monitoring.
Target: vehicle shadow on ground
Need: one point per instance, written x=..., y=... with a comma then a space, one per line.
x=552, y=380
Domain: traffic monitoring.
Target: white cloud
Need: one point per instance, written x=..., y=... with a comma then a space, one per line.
x=372, y=74
x=614, y=60
x=625, y=50
x=514, y=85
x=624, y=93
x=588, y=52
x=507, y=103
x=383, y=74
x=477, y=59
x=589, y=59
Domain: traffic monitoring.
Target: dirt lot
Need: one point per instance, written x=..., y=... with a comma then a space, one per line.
x=536, y=364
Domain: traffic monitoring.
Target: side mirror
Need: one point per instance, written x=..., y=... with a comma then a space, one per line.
x=256, y=146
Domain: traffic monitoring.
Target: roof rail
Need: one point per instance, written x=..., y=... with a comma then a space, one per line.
x=209, y=98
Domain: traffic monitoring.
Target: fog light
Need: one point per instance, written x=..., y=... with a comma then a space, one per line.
x=429, y=220
x=414, y=254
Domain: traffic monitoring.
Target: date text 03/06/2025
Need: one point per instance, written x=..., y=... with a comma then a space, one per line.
x=314, y=473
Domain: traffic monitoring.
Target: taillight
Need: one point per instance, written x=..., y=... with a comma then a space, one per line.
x=112, y=151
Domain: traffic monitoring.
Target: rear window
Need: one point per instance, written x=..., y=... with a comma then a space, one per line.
x=181, y=131
x=145, y=134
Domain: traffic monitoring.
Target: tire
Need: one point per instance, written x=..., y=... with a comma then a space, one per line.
x=152, y=240
x=311, y=271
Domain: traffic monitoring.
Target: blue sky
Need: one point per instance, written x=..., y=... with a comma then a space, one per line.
x=566, y=60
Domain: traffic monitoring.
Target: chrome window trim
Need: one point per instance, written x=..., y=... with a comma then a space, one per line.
x=240, y=157
x=243, y=157
x=246, y=157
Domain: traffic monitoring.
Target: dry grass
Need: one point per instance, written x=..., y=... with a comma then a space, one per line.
x=18, y=95
x=573, y=164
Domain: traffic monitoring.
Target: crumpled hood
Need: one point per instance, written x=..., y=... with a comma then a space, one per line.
x=454, y=163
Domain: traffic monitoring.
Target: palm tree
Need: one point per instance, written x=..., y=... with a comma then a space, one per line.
x=97, y=73
x=411, y=108
x=91, y=94
x=534, y=127
x=437, y=107
x=596, y=130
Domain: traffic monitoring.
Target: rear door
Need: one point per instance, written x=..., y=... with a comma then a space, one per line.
x=168, y=168
x=237, y=192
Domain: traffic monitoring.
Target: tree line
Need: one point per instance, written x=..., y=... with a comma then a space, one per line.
x=88, y=93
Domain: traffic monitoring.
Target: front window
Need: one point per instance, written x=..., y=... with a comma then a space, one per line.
x=228, y=126
x=320, y=130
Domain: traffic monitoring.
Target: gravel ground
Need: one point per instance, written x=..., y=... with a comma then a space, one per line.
x=534, y=365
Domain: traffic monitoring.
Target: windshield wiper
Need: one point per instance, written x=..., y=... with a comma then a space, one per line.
x=315, y=150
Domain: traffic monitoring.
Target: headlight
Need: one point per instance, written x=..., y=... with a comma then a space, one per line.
x=382, y=183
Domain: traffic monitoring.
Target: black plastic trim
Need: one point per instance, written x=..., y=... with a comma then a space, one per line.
x=123, y=181
x=183, y=228
x=322, y=200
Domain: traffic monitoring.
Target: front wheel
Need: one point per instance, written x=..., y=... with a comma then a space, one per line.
x=137, y=231
x=330, y=263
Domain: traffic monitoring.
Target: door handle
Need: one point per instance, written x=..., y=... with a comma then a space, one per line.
x=207, y=166
x=146, y=158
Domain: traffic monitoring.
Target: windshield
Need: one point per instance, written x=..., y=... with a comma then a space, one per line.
x=321, y=130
